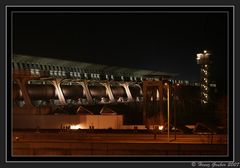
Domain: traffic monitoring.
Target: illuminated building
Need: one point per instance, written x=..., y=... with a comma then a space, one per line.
x=204, y=61
x=44, y=87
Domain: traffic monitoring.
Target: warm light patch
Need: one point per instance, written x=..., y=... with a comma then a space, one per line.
x=75, y=127
x=199, y=56
x=160, y=127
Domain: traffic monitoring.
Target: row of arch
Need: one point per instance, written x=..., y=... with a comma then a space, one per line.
x=74, y=91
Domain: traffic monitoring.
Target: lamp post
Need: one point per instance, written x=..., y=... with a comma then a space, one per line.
x=175, y=104
x=168, y=110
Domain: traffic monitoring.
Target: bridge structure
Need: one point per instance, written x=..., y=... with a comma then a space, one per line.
x=40, y=84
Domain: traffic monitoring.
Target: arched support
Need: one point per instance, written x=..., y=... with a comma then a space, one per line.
x=129, y=95
x=109, y=91
x=87, y=92
x=22, y=85
x=28, y=107
x=57, y=84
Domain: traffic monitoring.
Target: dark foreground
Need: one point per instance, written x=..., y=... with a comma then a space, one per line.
x=74, y=143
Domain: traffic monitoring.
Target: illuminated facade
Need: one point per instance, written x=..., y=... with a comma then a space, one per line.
x=45, y=87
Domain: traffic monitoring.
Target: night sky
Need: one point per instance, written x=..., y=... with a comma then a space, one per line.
x=165, y=42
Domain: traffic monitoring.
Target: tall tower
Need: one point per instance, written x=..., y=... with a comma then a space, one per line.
x=204, y=61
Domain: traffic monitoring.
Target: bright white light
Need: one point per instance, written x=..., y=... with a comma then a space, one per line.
x=205, y=51
x=75, y=127
x=157, y=95
x=160, y=127
x=199, y=56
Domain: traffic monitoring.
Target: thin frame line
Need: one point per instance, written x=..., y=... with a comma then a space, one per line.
x=125, y=6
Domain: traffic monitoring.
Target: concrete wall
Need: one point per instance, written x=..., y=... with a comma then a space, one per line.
x=105, y=121
x=56, y=121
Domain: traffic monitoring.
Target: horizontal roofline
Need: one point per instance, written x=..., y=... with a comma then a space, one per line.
x=89, y=66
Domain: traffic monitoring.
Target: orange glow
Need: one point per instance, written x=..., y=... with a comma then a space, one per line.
x=160, y=127
x=74, y=127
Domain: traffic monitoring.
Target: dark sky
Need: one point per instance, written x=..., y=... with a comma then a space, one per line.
x=165, y=42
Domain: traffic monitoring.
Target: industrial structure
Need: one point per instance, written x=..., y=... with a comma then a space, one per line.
x=52, y=93
x=203, y=60
x=62, y=107
x=43, y=86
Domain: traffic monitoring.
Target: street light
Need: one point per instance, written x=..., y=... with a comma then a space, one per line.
x=168, y=109
x=175, y=104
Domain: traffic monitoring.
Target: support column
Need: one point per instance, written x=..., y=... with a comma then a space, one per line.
x=109, y=91
x=125, y=85
x=57, y=84
x=87, y=92
x=22, y=85
x=28, y=107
